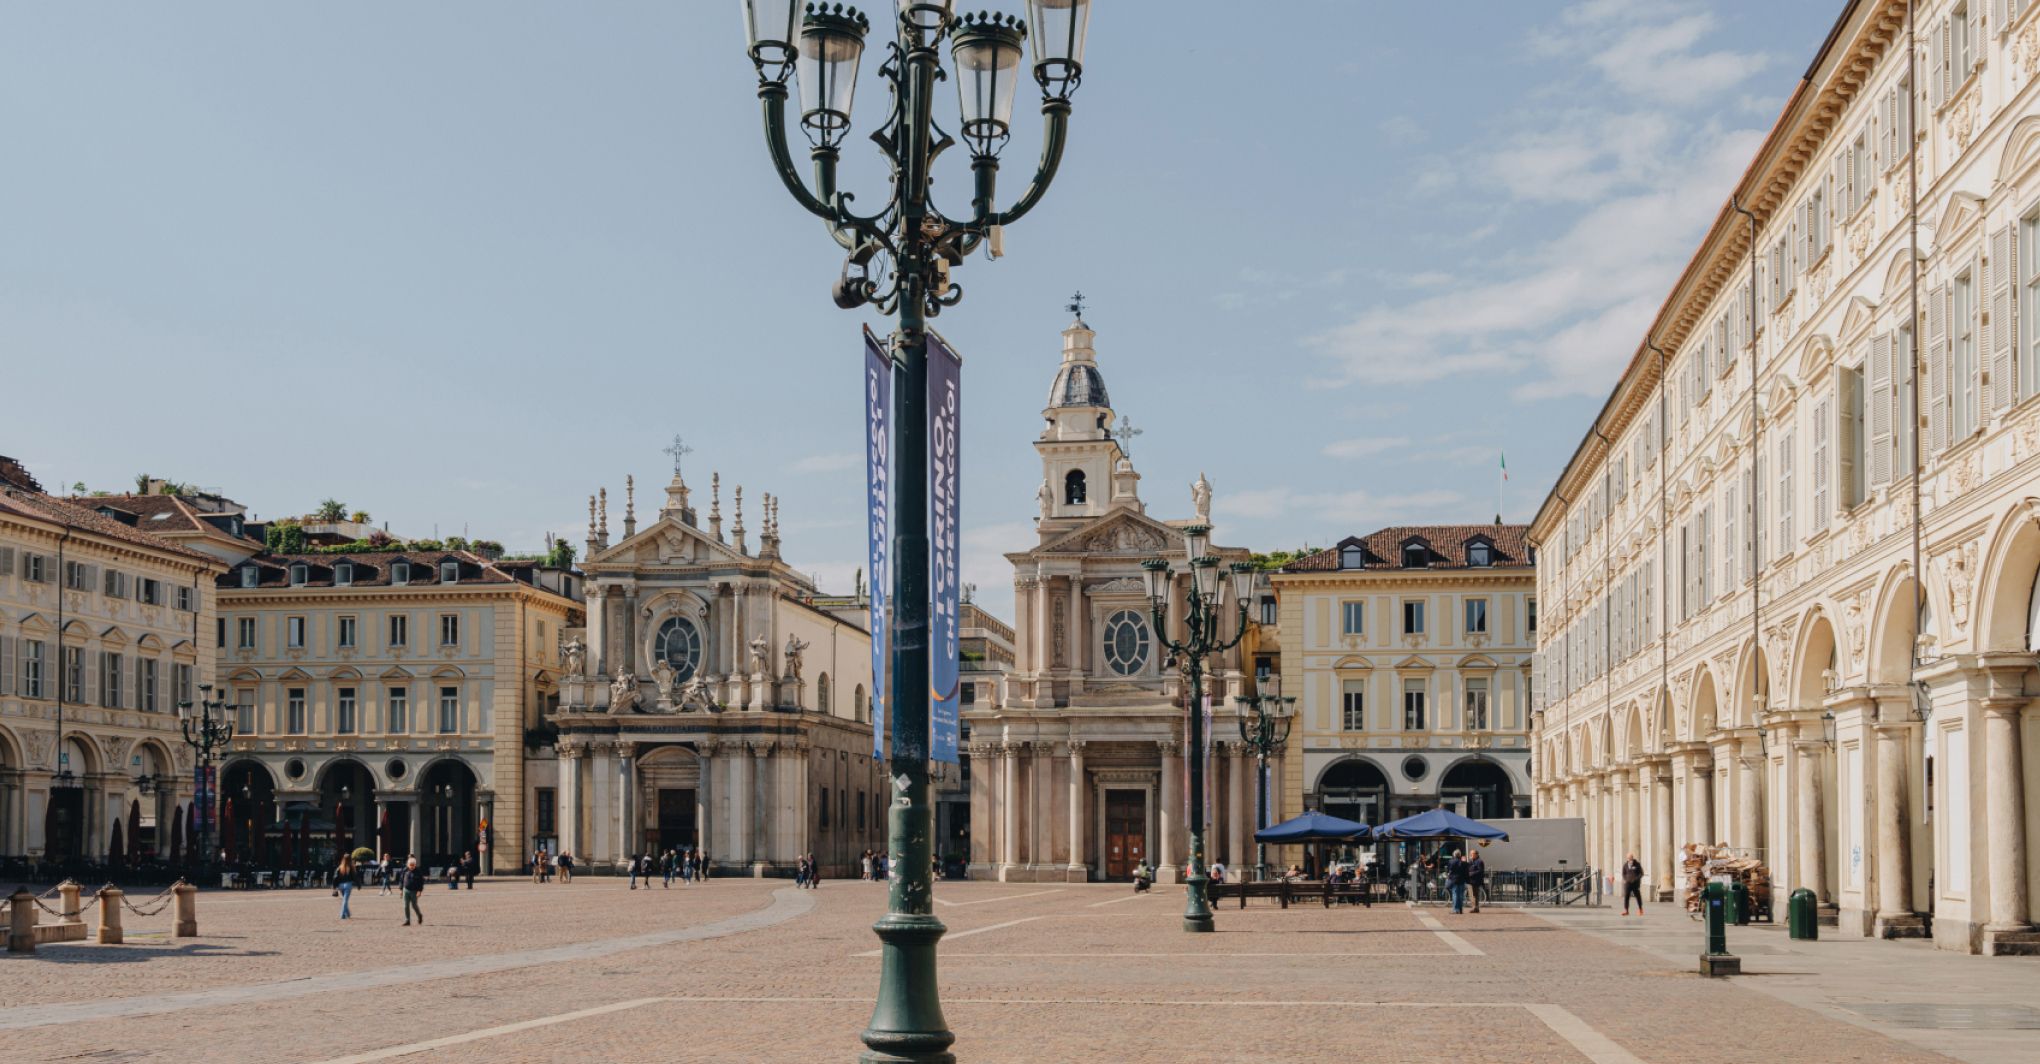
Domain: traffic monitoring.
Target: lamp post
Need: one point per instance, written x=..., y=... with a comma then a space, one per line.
x=208, y=733
x=1201, y=639
x=1265, y=729
x=899, y=259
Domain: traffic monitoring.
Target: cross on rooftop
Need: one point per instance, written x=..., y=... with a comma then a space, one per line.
x=1125, y=434
x=1076, y=305
x=678, y=450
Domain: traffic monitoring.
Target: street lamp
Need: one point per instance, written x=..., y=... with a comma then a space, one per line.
x=208, y=734
x=899, y=260
x=1201, y=638
x=1265, y=729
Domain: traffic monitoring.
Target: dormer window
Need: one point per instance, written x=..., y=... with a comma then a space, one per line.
x=1480, y=553
x=299, y=571
x=343, y=574
x=250, y=576
x=449, y=572
x=1415, y=555
x=1352, y=556
x=1073, y=488
x=400, y=572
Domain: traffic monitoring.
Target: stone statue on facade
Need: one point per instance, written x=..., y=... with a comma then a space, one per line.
x=662, y=675
x=623, y=692
x=699, y=693
x=573, y=656
x=794, y=646
x=1200, y=498
x=1044, y=496
x=761, y=656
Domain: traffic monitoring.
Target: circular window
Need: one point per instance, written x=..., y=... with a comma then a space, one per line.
x=1126, y=642
x=1415, y=767
x=680, y=647
x=294, y=768
x=396, y=768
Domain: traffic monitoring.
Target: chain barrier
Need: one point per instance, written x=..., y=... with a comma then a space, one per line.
x=151, y=907
x=160, y=902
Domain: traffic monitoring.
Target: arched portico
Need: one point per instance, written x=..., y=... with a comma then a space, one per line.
x=672, y=801
x=1354, y=788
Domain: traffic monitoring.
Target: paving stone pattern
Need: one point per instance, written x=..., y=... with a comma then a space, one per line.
x=748, y=970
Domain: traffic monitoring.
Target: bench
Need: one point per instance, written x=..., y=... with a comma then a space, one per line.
x=1285, y=891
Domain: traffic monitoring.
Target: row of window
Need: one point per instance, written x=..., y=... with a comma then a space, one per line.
x=1353, y=616
x=84, y=576
x=1417, y=554
x=349, y=716
x=346, y=631
x=1475, y=715
x=344, y=573
x=104, y=678
x=842, y=816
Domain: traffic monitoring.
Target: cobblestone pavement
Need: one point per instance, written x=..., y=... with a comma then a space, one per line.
x=753, y=970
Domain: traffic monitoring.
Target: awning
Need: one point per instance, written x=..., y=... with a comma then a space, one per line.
x=1313, y=827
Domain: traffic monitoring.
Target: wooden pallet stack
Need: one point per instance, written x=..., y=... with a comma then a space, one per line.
x=1701, y=863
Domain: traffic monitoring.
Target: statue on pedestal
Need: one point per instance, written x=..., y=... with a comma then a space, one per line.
x=794, y=646
x=623, y=692
x=662, y=675
x=573, y=656
x=761, y=656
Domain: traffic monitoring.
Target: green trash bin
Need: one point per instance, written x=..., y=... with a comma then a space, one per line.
x=1737, y=910
x=1801, y=919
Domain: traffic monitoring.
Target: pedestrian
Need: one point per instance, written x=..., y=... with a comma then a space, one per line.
x=864, y=865
x=343, y=882
x=1476, y=878
x=538, y=865
x=1632, y=884
x=469, y=865
x=814, y=872
x=800, y=871
x=566, y=867
x=1455, y=878
x=413, y=884
x=1216, y=871
x=388, y=872
x=670, y=862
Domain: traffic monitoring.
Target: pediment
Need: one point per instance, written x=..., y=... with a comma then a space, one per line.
x=295, y=675
x=1120, y=532
x=397, y=672
x=34, y=622
x=1414, y=663
x=1963, y=211
x=1819, y=351
x=1858, y=318
x=667, y=541
x=2022, y=150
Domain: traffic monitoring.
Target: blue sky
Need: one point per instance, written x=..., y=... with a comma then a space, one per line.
x=460, y=263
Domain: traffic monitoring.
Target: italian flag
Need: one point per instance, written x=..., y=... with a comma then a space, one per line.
x=1505, y=465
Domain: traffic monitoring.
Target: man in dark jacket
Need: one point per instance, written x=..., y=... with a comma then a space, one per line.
x=1632, y=884
x=1455, y=877
x=1476, y=877
x=412, y=881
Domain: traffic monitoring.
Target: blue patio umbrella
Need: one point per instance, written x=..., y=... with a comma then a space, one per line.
x=1313, y=827
x=1438, y=824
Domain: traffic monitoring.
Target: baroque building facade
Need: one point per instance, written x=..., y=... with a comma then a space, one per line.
x=713, y=700
x=1789, y=576
x=1409, y=652
x=104, y=629
x=1078, y=773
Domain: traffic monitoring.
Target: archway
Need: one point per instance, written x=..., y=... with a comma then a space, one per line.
x=669, y=801
x=1703, y=713
x=247, y=814
x=11, y=777
x=347, y=796
x=1355, y=789
x=152, y=831
x=1816, y=667
x=1479, y=788
x=448, y=808
x=1752, y=688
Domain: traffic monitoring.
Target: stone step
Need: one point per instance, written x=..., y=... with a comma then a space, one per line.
x=2011, y=943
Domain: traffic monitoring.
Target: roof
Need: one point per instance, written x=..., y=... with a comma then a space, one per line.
x=373, y=570
x=36, y=506
x=163, y=514
x=1078, y=384
x=1447, y=544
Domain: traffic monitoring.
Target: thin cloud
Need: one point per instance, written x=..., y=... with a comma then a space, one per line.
x=834, y=462
x=1364, y=446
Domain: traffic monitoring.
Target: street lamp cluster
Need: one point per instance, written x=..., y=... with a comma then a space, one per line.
x=208, y=733
x=1264, y=728
x=898, y=260
x=1202, y=637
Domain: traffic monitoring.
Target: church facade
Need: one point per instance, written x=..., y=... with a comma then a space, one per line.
x=714, y=700
x=1078, y=772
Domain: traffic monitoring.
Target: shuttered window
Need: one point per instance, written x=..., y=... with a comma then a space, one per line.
x=1786, y=539
x=1849, y=454
x=2003, y=335
x=1823, y=411
x=1937, y=408
x=2026, y=250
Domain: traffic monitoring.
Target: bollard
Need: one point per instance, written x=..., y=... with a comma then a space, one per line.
x=1802, y=919
x=187, y=910
x=1717, y=961
x=67, y=892
x=21, y=922
x=1739, y=904
x=109, y=915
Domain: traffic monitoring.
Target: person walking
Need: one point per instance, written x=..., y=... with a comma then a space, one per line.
x=669, y=865
x=469, y=865
x=344, y=879
x=387, y=872
x=1632, y=884
x=1476, y=878
x=413, y=884
x=566, y=867
x=1455, y=878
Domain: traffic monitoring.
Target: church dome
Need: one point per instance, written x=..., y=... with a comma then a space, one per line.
x=1078, y=384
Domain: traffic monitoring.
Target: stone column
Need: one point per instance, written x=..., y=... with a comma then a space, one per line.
x=1618, y=840
x=1812, y=840
x=1894, y=850
x=2004, y=805
x=1749, y=780
x=1700, y=795
x=1169, y=809
x=1074, y=638
x=1044, y=637
x=739, y=843
x=631, y=835
x=1664, y=869
x=1242, y=801
x=1023, y=622
x=1009, y=834
x=1077, y=849
x=569, y=822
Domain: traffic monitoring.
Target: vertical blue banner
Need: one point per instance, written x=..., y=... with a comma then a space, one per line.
x=878, y=389
x=945, y=483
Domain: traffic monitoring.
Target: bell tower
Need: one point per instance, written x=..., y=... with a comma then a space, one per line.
x=1085, y=472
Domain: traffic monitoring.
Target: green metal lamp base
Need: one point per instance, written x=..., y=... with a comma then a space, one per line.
x=907, y=1025
x=1197, y=911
